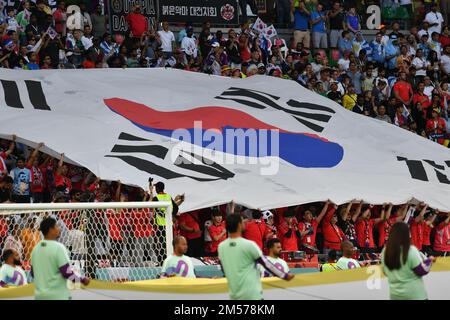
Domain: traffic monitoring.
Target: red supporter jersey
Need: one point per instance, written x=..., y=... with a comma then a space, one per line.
x=138, y=24
x=434, y=125
x=115, y=224
x=332, y=234
x=3, y=228
x=190, y=220
x=142, y=223
x=416, y=230
x=384, y=227
x=288, y=244
x=426, y=235
x=3, y=167
x=257, y=231
x=37, y=179
x=61, y=180
x=308, y=239
x=424, y=101
x=442, y=238
x=403, y=89
x=214, y=231
x=364, y=233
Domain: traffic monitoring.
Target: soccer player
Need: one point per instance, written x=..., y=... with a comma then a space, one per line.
x=50, y=265
x=274, y=246
x=178, y=264
x=238, y=257
x=346, y=261
x=11, y=274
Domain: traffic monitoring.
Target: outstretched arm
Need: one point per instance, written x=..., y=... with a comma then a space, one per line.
x=323, y=212
x=403, y=212
x=422, y=213
x=34, y=154
x=347, y=211
x=11, y=145
x=60, y=164
x=357, y=212
x=388, y=212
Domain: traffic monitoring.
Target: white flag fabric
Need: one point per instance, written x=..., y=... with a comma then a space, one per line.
x=270, y=32
x=276, y=144
x=259, y=25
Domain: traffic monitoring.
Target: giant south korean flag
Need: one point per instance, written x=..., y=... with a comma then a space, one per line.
x=296, y=146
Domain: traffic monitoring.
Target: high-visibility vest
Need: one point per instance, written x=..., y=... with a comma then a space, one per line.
x=327, y=267
x=160, y=212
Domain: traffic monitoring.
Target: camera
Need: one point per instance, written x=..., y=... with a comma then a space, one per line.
x=150, y=180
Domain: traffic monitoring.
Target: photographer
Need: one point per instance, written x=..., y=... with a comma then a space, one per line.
x=160, y=219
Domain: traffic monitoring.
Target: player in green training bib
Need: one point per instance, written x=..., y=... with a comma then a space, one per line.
x=51, y=265
x=11, y=274
x=404, y=265
x=239, y=258
x=346, y=261
x=274, y=247
x=178, y=264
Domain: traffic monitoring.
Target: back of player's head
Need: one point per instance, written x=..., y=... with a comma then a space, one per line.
x=332, y=255
x=233, y=221
x=46, y=225
x=271, y=243
x=6, y=254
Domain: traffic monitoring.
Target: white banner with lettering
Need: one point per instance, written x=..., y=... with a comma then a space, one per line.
x=262, y=142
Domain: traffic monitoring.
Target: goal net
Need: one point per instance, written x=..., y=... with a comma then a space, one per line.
x=116, y=241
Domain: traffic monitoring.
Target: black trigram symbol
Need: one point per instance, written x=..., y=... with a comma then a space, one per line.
x=311, y=115
x=35, y=93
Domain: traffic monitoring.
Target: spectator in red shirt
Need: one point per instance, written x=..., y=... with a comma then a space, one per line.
x=217, y=231
x=62, y=182
x=37, y=177
x=269, y=220
x=308, y=227
x=403, y=90
x=189, y=225
x=256, y=229
x=332, y=234
x=384, y=226
x=60, y=18
x=422, y=98
x=347, y=219
x=364, y=231
x=137, y=23
x=442, y=237
x=288, y=232
x=416, y=228
x=436, y=126
x=4, y=155
x=428, y=226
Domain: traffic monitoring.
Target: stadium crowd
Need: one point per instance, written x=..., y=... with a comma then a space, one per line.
x=399, y=78
x=317, y=227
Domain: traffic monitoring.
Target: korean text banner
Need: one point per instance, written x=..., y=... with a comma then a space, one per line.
x=214, y=11
x=263, y=142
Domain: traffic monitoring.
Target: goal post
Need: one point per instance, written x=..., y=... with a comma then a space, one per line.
x=110, y=241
